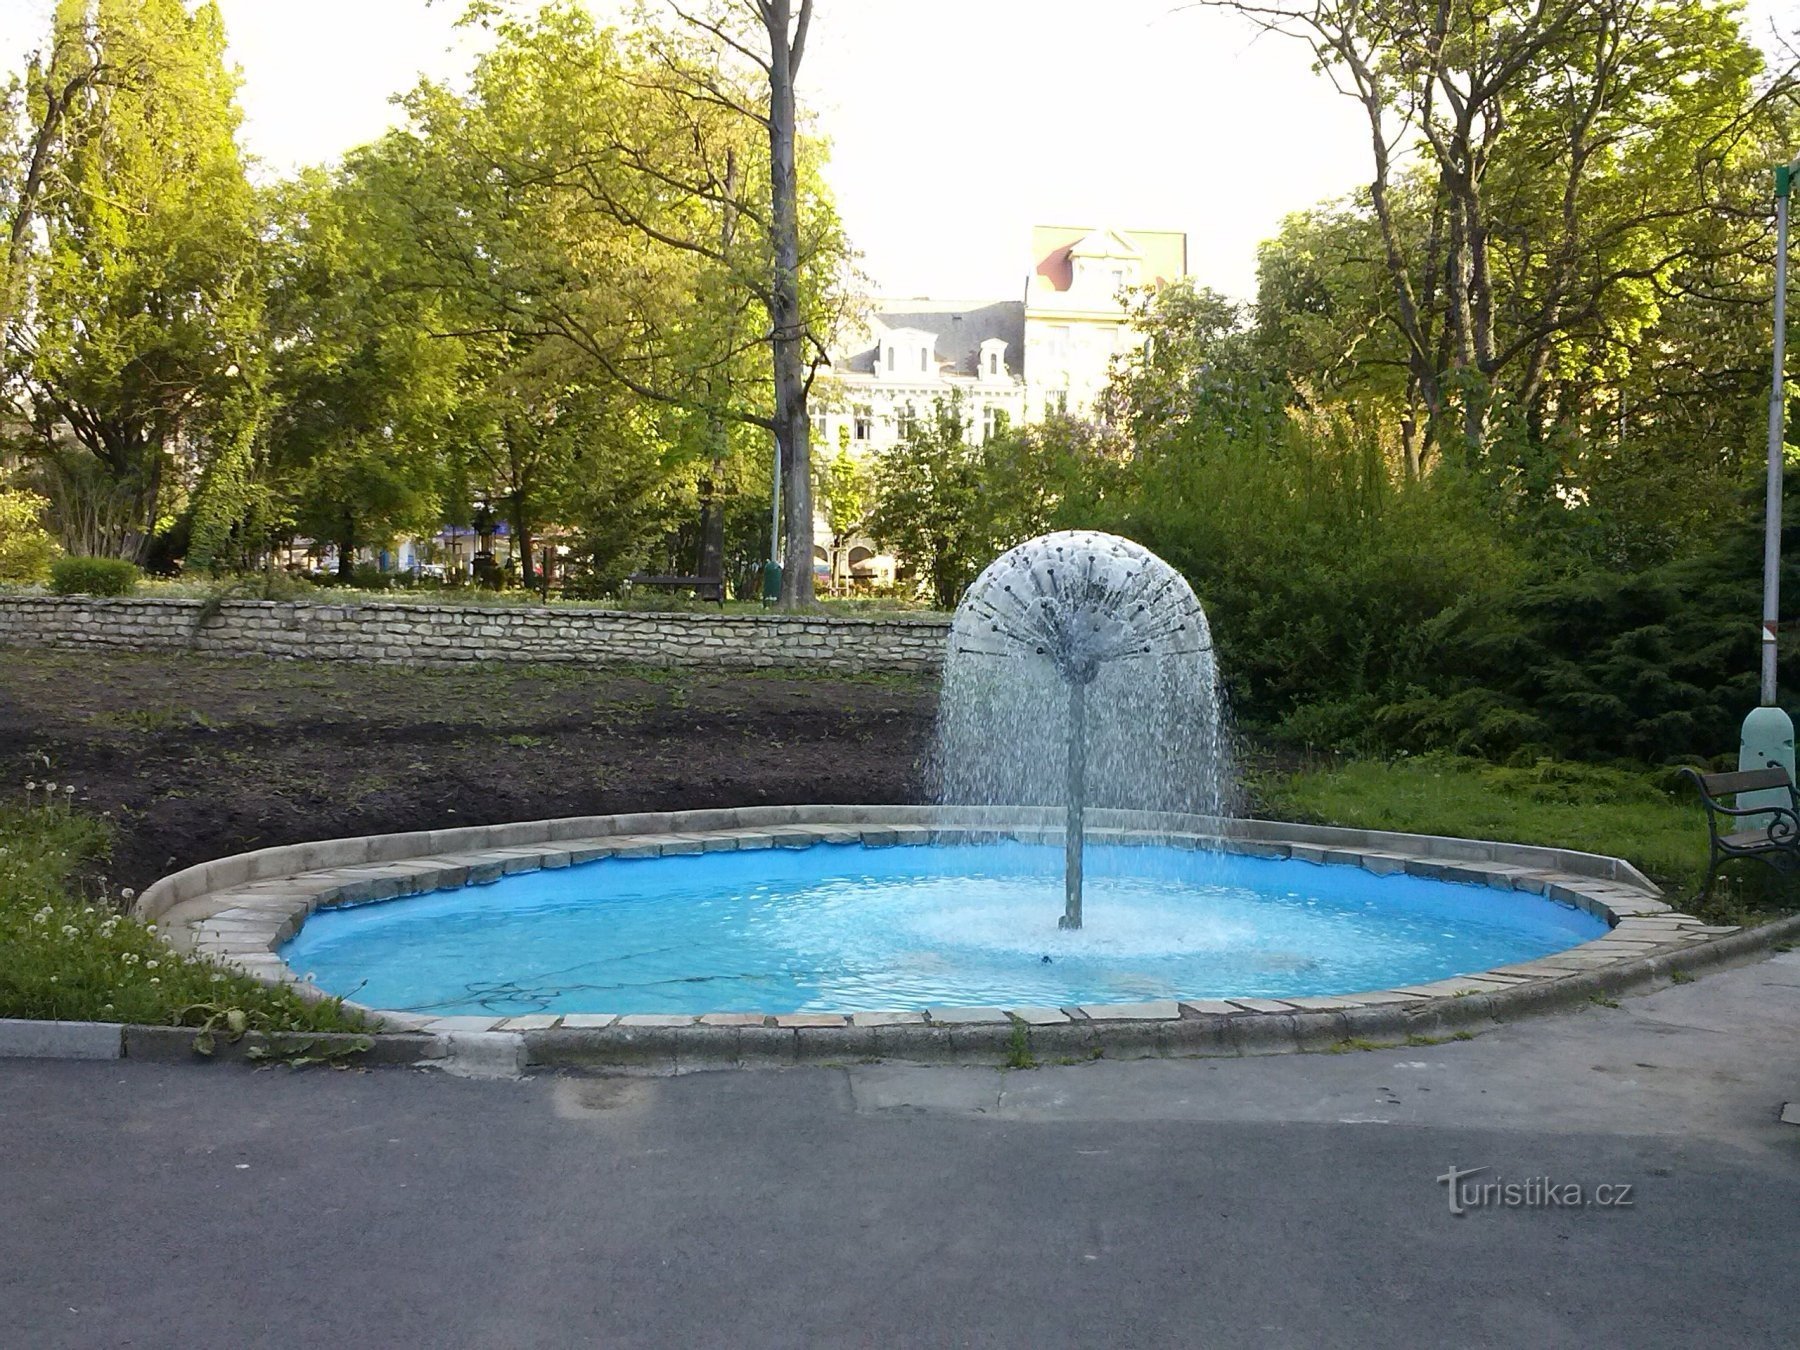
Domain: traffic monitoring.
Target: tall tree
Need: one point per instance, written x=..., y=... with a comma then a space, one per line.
x=1569, y=155
x=364, y=390
x=679, y=219
x=136, y=314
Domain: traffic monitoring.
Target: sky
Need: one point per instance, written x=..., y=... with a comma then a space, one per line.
x=955, y=125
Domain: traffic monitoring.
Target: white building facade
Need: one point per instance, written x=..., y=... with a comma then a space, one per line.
x=1012, y=361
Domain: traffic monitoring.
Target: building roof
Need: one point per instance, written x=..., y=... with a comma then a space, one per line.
x=960, y=329
x=1163, y=252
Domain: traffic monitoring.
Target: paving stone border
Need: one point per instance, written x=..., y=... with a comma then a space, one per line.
x=239, y=910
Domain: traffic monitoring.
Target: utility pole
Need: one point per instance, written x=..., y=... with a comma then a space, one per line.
x=1768, y=735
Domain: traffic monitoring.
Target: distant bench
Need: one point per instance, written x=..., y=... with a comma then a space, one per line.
x=1776, y=841
x=705, y=588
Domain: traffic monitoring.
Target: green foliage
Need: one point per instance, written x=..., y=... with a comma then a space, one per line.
x=138, y=290
x=1656, y=664
x=927, y=500
x=1018, y=1048
x=79, y=959
x=93, y=576
x=842, y=488
x=26, y=548
x=1320, y=569
x=1562, y=239
x=948, y=505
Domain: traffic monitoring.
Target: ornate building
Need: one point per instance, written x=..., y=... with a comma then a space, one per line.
x=1013, y=361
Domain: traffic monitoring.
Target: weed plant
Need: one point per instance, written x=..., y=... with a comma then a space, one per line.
x=67, y=951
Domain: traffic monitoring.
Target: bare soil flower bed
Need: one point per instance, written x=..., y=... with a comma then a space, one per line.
x=193, y=757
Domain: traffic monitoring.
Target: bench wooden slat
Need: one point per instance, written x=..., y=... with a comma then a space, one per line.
x=1744, y=839
x=1745, y=780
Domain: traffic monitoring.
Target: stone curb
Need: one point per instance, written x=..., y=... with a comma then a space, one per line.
x=701, y=1046
x=24, y=1039
x=239, y=910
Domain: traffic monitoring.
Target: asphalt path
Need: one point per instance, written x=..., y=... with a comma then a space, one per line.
x=1283, y=1201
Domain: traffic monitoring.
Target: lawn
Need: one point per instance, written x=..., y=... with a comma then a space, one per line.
x=71, y=953
x=1643, y=816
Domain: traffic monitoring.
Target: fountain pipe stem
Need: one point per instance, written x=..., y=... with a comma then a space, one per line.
x=1072, y=827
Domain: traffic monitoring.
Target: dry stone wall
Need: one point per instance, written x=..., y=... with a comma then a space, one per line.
x=443, y=635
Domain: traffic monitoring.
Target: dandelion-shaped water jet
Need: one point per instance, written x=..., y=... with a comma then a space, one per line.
x=1120, y=633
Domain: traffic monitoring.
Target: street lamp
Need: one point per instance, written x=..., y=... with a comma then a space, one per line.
x=1768, y=736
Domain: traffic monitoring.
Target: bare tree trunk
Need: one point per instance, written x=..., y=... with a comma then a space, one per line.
x=521, y=526
x=712, y=510
x=788, y=323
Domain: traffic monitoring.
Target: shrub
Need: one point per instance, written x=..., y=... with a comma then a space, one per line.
x=93, y=576
x=26, y=549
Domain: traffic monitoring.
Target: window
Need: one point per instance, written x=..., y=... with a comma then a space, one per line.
x=1118, y=277
x=924, y=361
x=863, y=423
x=993, y=423
x=993, y=363
x=904, y=421
x=890, y=358
x=818, y=425
x=1057, y=401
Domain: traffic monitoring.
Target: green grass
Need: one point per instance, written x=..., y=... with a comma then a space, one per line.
x=1627, y=814
x=73, y=955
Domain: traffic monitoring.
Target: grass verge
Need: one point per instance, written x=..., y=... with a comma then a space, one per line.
x=69, y=955
x=1637, y=815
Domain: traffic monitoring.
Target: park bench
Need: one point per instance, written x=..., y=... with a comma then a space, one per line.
x=705, y=588
x=1770, y=832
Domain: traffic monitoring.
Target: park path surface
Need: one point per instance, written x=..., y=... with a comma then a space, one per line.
x=1282, y=1201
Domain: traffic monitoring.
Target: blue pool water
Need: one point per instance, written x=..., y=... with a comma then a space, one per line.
x=844, y=927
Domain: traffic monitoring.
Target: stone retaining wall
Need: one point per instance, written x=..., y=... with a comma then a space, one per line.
x=450, y=635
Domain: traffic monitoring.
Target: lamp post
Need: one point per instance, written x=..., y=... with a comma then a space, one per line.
x=1768, y=735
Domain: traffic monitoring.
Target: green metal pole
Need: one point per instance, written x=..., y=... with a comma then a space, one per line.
x=1771, y=614
x=1767, y=739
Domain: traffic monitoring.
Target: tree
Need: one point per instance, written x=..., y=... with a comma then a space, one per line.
x=37, y=108
x=927, y=492
x=843, y=487
x=363, y=388
x=608, y=193
x=26, y=549
x=1573, y=159
x=137, y=303
x=1196, y=360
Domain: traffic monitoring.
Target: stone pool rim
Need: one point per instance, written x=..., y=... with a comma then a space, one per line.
x=238, y=910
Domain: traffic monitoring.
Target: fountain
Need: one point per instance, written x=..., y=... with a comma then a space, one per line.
x=1079, y=681
x=1083, y=651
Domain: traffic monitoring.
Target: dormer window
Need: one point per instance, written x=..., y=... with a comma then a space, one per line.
x=924, y=361
x=890, y=357
x=990, y=362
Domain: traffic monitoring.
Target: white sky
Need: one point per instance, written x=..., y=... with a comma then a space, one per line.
x=956, y=124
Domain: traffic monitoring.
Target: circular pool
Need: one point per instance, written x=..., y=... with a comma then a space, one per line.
x=840, y=927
